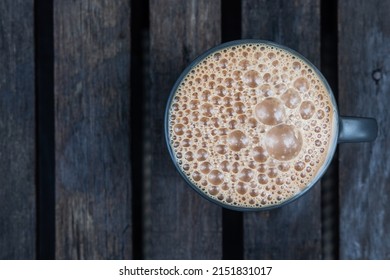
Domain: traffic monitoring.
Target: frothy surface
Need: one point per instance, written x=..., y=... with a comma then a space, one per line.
x=250, y=125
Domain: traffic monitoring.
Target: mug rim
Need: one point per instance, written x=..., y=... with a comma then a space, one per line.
x=331, y=149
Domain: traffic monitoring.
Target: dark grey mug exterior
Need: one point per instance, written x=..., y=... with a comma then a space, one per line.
x=346, y=129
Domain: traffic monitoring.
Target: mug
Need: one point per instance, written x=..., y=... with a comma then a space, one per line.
x=267, y=77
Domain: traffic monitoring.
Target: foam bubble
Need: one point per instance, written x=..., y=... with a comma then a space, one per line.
x=257, y=55
x=261, y=168
x=252, y=123
x=186, y=167
x=178, y=129
x=196, y=176
x=271, y=55
x=228, y=82
x=223, y=63
x=320, y=114
x=235, y=167
x=232, y=124
x=244, y=64
x=283, y=142
x=229, y=112
x=291, y=98
x=225, y=166
x=237, y=75
x=284, y=166
x=262, y=179
x=302, y=84
x=205, y=167
x=254, y=192
x=189, y=156
x=246, y=175
x=270, y=111
x=225, y=186
x=272, y=172
x=206, y=109
x=221, y=149
x=252, y=78
x=280, y=88
x=227, y=101
x=239, y=107
x=307, y=109
x=213, y=190
x=242, y=188
x=220, y=91
x=202, y=155
x=259, y=154
x=296, y=65
x=215, y=177
x=279, y=181
x=216, y=100
x=242, y=119
x=251, y=164
x=237, y=140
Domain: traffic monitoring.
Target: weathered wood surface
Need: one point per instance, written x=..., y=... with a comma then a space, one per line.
x=294, y=231
x=93, y=180
x=364, y=86
x=179, y=223
x=92, y=136
x=17, y=130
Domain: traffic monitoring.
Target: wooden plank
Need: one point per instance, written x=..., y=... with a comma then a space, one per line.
x=294, y=231
x=364, y=47
x=17, y=130
x=180, y=224
x=92, y=85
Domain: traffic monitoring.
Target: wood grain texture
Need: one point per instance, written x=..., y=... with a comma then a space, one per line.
x=92, y=93
x=294, y=231
x=179, y=223
x=364, y=86
x=17, y=130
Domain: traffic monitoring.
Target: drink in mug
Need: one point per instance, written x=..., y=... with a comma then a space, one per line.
x=251, y=125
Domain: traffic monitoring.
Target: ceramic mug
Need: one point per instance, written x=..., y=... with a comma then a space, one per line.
x=345, y=129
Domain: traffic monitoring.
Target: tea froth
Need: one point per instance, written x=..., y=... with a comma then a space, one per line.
x=250, y=125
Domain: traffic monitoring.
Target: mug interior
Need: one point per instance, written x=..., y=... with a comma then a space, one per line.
x=332, y=144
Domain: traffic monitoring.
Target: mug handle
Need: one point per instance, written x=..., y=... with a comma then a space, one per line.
x=354, y=129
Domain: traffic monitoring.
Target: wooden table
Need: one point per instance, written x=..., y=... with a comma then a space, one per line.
x=84, y=171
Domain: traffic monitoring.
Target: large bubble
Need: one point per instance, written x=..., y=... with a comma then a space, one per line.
x=246, y=175
x=291, y=98
x=283, y=142
x=302, y=84
x=270, y=111
x=237, y=140
x=215, y=177
x=307, y=109
x=252, y=78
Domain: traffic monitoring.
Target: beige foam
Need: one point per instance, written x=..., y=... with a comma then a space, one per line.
x=250, y=125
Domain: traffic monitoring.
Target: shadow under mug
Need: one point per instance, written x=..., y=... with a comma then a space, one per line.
x=346, y=129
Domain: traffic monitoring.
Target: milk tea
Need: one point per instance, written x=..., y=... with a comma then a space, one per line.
x=250, y=125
